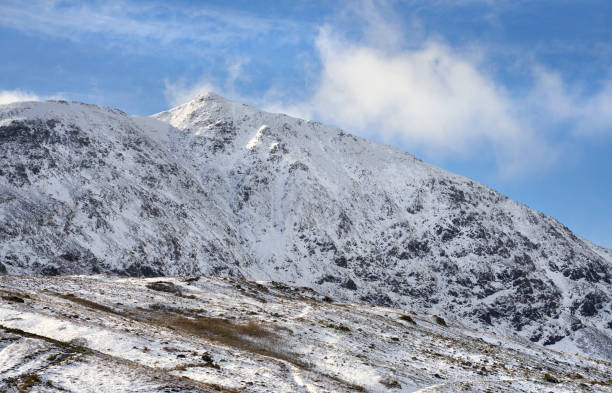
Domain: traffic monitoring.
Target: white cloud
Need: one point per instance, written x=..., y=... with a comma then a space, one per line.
x=597, y=111
x=560, y=102
x=430, y=99
x=10, y=96
x=235, y=72
x=426, y=95
x=179, y=92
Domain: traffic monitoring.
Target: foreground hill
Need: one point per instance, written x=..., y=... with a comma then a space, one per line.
x=209, y=334
x=217, y=187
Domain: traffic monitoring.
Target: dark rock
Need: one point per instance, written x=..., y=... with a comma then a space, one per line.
x=328, y=278
x=553, y=339
x=138, y=270
x=50, y=270
x=486, y=315
x=350, y=284
x=380, y=299
x=592, y=303
x=13, y=299
x=341, y=261
x=71, y=256
x=164, y=286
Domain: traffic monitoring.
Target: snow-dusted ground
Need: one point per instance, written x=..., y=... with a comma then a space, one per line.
x=105, y=334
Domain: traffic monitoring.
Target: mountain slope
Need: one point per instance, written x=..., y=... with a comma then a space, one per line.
x=214, y=186
x=209, y=334
x=323, y=208
x=85, y=190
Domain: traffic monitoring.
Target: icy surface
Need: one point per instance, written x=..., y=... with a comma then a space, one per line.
x=217, y=187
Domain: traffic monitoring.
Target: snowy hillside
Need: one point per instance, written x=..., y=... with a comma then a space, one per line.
x=84, y=189
x=218, y=187
x=208, y=334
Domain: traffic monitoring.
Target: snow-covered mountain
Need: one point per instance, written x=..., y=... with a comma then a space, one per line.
x=218, y=187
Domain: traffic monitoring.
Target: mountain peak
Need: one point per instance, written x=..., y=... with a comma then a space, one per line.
x=209, y=96
x=201, y=104
x=205, y=109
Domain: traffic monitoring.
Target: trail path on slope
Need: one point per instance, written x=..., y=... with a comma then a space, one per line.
x=297, y=378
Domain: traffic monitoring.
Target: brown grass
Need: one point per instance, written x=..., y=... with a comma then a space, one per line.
x=27, y=381
x=13, y=296
x=440, y=321
x=407, y=318
x=219, y=327
x=251, y=336
x=88, y=303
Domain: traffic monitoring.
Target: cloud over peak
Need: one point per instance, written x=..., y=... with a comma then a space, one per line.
x=10, y=96
x=430, y=98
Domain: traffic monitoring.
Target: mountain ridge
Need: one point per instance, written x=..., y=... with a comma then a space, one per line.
x=218, y=187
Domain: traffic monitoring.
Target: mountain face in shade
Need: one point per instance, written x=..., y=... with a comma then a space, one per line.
x=217, y=187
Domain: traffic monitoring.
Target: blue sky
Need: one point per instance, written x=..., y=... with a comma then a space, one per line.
x=514, y=94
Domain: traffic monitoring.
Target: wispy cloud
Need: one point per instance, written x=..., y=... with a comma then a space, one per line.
x=587, y=113
x=179, y=91
x=18, y=95
x=133, y=24
x=10, y=96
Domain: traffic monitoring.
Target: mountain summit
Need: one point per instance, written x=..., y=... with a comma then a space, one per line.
x=218, y=187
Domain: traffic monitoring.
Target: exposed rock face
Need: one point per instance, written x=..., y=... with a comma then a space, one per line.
x=218, y=187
